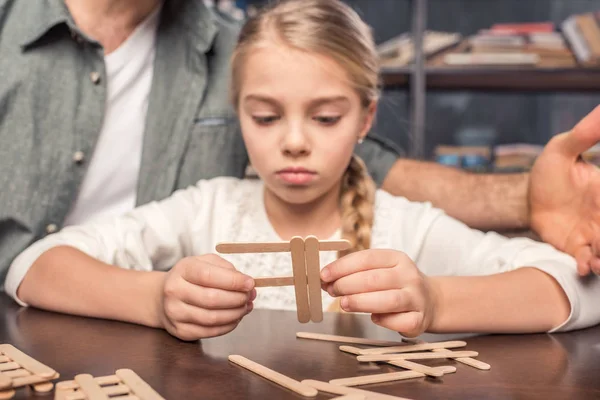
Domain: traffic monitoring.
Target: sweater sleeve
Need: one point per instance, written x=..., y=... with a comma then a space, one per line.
x=443, y=246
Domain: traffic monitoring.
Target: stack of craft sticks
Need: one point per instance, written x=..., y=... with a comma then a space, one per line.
x=124, y=385
x=17, y=370
x=399, y=354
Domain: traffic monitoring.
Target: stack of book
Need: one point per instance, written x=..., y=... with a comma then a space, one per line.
x=583, y=34
x=399, y=51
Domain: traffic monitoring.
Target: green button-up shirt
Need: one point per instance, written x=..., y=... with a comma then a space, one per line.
x=52, y=104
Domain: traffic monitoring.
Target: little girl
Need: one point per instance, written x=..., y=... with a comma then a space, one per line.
x=304, y=83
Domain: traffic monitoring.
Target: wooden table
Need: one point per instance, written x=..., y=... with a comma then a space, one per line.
x=560, y=366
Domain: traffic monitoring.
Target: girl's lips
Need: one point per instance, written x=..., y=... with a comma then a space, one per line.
x=296, y=176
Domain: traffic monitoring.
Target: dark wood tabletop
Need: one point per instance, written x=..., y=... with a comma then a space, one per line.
x=559, y=366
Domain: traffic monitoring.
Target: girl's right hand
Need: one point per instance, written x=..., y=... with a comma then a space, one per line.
x=204, y=296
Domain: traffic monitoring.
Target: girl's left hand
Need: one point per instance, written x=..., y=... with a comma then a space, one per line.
x=387, y=284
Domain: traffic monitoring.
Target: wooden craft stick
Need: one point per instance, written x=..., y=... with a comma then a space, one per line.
x=313, y=272
x=264, y=247
x=334, y=245
x=100, y=380
x=415, y=347
x=300, y=279
x=4, y=359
x=5, y=381
x=416, y=356
x=354, y=396
x=377, y=378
x=464, y=360
x=343, y=390
x=274, y=281
x=28, y=363
x=7, y=394
x=345, y=339
x=17, y=373
x=31, y=380
x=435, y=372
x=9, y=366
x=90, y=387
x=44, y=387
x=137, y=385
x=273, y=376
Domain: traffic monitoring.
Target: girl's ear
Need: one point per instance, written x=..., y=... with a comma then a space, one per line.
x=369, y=117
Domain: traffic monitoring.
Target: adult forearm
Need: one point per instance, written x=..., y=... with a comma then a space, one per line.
x=482, y=201
x=66, y=280
x=525, y=300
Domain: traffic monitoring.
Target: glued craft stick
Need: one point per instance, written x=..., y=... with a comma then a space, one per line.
x=415, y=347
x=273, y=376
x=90, y=387
x=137, y=385
x=423, y=369
x=300, y=279
x=313, y=272
x=17, y=373
x=4, y=359
x=377, y=378
x=416, y=356
x=7, y=394
x=274, y=281
x=101, y=380
x=30, y=380
x=5, y=381
x=9, y=366
x=471, y=362
x=334, y=245
x=44, y=387
x=345, y=339
x=354, y=396
x=343, y=390
x=259, y=247
x=26, y=362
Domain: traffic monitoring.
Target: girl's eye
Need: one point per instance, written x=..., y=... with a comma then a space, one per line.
x=265, y=119
x=327, y=120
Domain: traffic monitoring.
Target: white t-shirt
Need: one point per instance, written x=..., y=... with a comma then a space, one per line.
x=110, y=184
x=192, y=221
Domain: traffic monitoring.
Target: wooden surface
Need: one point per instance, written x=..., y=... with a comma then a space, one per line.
x=561, y=366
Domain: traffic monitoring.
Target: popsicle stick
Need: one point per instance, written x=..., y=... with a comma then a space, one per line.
x=354, y=396
x=43, y=387
x=17, y=373
x=5, y=381
x=9, y=366
x=435, y=372
x=377, y=378
x=117, y=390
x=7, y=394
x=90, y=387
x=28, y=363
x=137, y=385
x=273, y=376
x=274, y=281
x=100, y=380
x=259, y=247
x=334, y=245
x=415, y=347
x=343, y=390
x=416, y=356
x=471, y=362
x=345, y=339
x=4, y=359
x=300, y=279
x=31, y=379
x=313, y=272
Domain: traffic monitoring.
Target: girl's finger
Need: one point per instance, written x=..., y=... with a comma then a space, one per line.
x=382, y=302
x=361, y=261
x=368, y=281
x=409, y=324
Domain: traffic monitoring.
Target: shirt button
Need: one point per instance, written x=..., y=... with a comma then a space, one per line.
x=51, y=228
x=78, y=157
x=95, y=77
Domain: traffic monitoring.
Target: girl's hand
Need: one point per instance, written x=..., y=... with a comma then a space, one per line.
x=385, y=283
x=203, y=297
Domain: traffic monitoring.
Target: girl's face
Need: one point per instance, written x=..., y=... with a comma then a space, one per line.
x=300, y=119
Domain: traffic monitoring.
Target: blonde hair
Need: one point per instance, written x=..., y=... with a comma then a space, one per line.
x=333, y=29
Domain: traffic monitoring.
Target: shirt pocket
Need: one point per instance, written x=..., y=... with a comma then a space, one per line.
x=215, y=148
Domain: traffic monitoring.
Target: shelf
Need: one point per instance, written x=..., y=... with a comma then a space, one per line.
x=499, y=79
